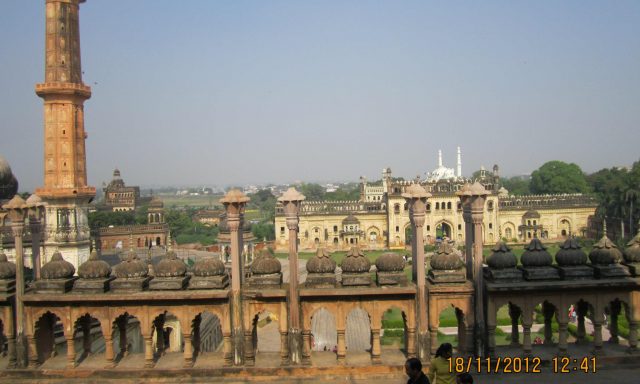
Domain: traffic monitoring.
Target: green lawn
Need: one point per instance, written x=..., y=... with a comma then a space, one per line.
x=202, y=201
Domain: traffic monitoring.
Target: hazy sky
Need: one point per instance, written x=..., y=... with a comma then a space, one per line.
x=220, y=92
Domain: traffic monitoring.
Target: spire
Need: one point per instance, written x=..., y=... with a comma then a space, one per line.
x=439, y=158
x=604, y=227
x=459, y=170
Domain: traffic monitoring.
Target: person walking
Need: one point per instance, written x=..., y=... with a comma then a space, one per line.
x=439, y=371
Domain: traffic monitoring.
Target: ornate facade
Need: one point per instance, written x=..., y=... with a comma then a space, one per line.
x=380, y=218
x=119, y=197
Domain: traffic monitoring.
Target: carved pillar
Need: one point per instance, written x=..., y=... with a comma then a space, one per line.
x=616, y=307
x=473, y=198
x=249, y=352
x=227, y=349
x=416, y=198
x=563, y=326
x=234, y=203
x=284, y=349
x=33, y=352
x=108, y=353
x=17, y=228
x=433, y=336
x=581, y=310
x=633, y=336
x=375, y=346
x=526, y=333
x=35, y=226
x=597, y=335
x=10, y=333
x=342, y=350
x=411, y=342
x=306, y=347
x=148, y=352
x=548, y=312
x=514, y=313
x=71, y=351
x=188, y=350
x=291, y=201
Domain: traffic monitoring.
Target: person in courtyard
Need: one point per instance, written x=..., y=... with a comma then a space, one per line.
x=464, y=378
x=413, y=369
x=439, y=371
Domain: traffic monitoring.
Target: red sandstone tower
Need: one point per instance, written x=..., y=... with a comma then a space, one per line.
x=65, y=173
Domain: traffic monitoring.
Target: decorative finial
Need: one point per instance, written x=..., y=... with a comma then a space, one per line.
x=93, y=244
x=169, y=243
x=604, y=226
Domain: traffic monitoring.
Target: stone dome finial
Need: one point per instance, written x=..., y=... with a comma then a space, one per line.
x=536, y=255
x=446, y=257
x=7, y=269
x=132, y=267
x=94, y=268
x=321, y=262
x=171, y=266
x=390, y=262
x=265, y=264
x=355, y=262
x=605, y=252
x=570, y=253
x=57, y=268
x=209, y=266
x=632, y=252
x=502, y=257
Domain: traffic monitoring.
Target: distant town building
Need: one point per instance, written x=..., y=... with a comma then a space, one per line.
x=118, y=197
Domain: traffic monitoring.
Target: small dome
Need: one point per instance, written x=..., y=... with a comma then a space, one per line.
x=605, y=252
x=502, y=257
x=355, y=262
x=209, y=267
x=390, y=262
x=132, y=267
x=632, y=252
x=321, y=262
x=7, y=269
x=503, y=192
x=536, y=255
x=571, y=254
x=351, y=219
x=171, y=266
x=156, y=202
x=57, y=268
x=265, y=264
x=446, y=258
x=94, y=268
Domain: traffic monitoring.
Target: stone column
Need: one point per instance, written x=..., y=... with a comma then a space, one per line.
x=227, y=349
x=633, y=336
x=188, y=350
x=342, y=350
x=548, y=312
x=616, y=307
x=416, y=197
x=597, y=334
x=17, y=209
x=433, y=335
x=473, y=199
x=581, y=310
x=527, y=320
x=411, y=342
x=108, y=353
x=284, y=350
x=234, y=203
x=148, y=352
x=33, y=352
x=291, y=201
x=249, y=354
x=71, y=351
x=375, y=347
x=306, y=347
x=9, y=330
x=563, y=332
x=514, y=313
x=35, y=226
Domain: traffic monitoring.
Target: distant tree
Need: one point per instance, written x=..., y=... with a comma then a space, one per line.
x=263, y=231
x=312, y=191
x=265, y=202
x=346, y=192
x=558, y=177
x=516, y=185
x=101, y=219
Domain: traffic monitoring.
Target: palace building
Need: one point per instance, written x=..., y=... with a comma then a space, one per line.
x=380, y=218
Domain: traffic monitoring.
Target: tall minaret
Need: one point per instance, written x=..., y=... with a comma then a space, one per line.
x=439, y=158
x=459, y=170
x=65, y=173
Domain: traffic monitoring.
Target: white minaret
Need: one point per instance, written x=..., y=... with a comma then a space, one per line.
x=439, y=158
x=459, y=171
